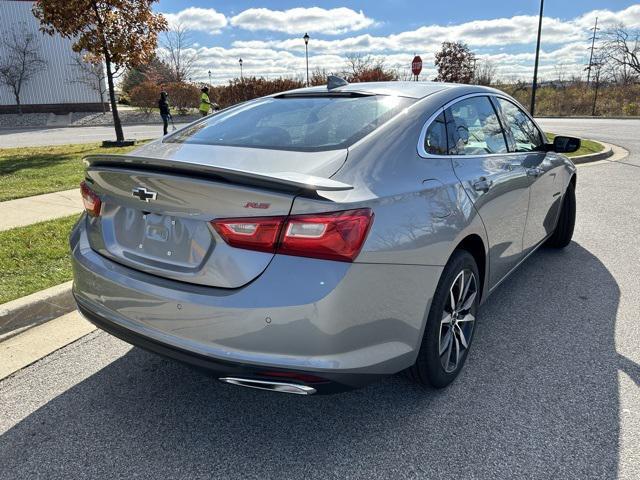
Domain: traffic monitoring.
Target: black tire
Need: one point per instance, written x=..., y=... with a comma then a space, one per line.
x=429, y=368
x=561, y=236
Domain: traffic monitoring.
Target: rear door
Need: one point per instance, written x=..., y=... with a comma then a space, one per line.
x=493, y=178
x=543, y=171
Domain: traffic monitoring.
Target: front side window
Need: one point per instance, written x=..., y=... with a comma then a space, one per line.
x=311, y=123
x=526, y=135
x=473, y=128
x=435, y=139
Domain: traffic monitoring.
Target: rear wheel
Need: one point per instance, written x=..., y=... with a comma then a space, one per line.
x=450, y=324
x=561, y=236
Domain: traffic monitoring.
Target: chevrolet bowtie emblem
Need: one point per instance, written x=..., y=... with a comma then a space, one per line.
x=144, y=194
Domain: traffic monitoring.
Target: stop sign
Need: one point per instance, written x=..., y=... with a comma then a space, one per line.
x=416, y=65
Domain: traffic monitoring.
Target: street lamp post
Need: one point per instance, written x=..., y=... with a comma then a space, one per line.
x=240, y=62
x=306, y=53
x=535, y=67
x=209, y=78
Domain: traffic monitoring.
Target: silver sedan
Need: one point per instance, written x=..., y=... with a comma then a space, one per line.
x=318, y=239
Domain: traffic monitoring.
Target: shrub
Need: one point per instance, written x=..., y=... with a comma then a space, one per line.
x=576, y=99
x=183, y=96
x=237, y=91
x=145, y=96
x=631, y=109
x=374, y=74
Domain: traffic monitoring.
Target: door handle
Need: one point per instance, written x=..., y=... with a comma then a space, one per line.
x=534, y=172
x=482, y=184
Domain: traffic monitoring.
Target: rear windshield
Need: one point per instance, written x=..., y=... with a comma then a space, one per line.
x=295, y=123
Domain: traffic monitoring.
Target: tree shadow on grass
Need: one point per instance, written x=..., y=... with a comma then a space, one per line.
x=538, y=399
x=10, y=164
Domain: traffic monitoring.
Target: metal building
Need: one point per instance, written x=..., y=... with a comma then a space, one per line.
x=55, y=88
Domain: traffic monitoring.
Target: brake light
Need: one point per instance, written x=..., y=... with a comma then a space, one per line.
x=91, y=200
x=330, y=236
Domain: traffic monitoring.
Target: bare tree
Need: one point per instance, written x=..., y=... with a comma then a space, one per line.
x=179, y=52
x=561, y=73
x=622, y=48
x=91, y=73
x=358, y=63
x=485, y=72
x=20, y=62
x=599, y=73
x=404, y=73
x=366, y=68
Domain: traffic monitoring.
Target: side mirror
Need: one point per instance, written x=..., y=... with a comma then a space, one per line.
x=565, y=144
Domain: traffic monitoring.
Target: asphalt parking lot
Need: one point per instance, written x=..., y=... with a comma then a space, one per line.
x=550, y=390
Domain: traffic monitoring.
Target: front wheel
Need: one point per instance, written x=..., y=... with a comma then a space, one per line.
x=561, y=237
x=450, y=324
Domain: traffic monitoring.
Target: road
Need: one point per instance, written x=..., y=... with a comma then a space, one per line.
x=32, y=137
x=550, y=389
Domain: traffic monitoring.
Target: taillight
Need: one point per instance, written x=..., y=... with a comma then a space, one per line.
x=258, y=233
x=331, y=236
x=92, y=203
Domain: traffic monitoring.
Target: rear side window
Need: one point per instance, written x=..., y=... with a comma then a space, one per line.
x=473, y=128
x=435, y=139
x=296, y=123
x=526, y=135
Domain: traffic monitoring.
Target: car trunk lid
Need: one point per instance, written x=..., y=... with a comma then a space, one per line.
x=156, y=211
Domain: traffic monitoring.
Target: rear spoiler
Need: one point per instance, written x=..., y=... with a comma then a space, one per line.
x=290, y=181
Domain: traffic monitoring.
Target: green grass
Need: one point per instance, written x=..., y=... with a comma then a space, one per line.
x=35, y=257
x=586, y=146
x=34, y=170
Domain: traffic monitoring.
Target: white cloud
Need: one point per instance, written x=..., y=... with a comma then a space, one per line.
x=630, y=17
x=200, y=19
x=300, y=20
x=479, y=33
x=507, y=42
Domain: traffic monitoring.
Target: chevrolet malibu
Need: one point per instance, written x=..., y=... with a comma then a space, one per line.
x=318, y=239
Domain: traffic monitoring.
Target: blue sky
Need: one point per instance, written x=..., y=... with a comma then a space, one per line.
x=267, y=34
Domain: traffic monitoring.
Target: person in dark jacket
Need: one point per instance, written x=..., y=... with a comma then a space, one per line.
x=163, y=103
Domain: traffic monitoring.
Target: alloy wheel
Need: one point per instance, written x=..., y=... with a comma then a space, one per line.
x=458, y=320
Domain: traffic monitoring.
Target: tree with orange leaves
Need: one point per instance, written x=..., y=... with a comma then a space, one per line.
x=122, y=33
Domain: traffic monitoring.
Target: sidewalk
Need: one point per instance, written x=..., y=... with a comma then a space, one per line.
x=25, y=211
x=45, y=136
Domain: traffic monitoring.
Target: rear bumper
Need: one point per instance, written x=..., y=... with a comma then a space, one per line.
x=346, y=323
x=330, y=383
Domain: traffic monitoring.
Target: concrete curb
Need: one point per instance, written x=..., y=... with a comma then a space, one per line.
x=23, y=313
x=590, y=117
x=594, y=157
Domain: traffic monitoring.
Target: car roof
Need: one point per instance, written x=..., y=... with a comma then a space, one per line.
x=402, y=89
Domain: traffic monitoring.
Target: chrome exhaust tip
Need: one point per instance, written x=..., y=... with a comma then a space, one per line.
x=269, y=385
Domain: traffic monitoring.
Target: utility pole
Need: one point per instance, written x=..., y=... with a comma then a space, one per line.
x=595, y=93
x=535, y=67
x=593, y=43
x=240, y=62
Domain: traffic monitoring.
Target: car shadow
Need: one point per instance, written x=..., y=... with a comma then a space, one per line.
x=538, y=398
